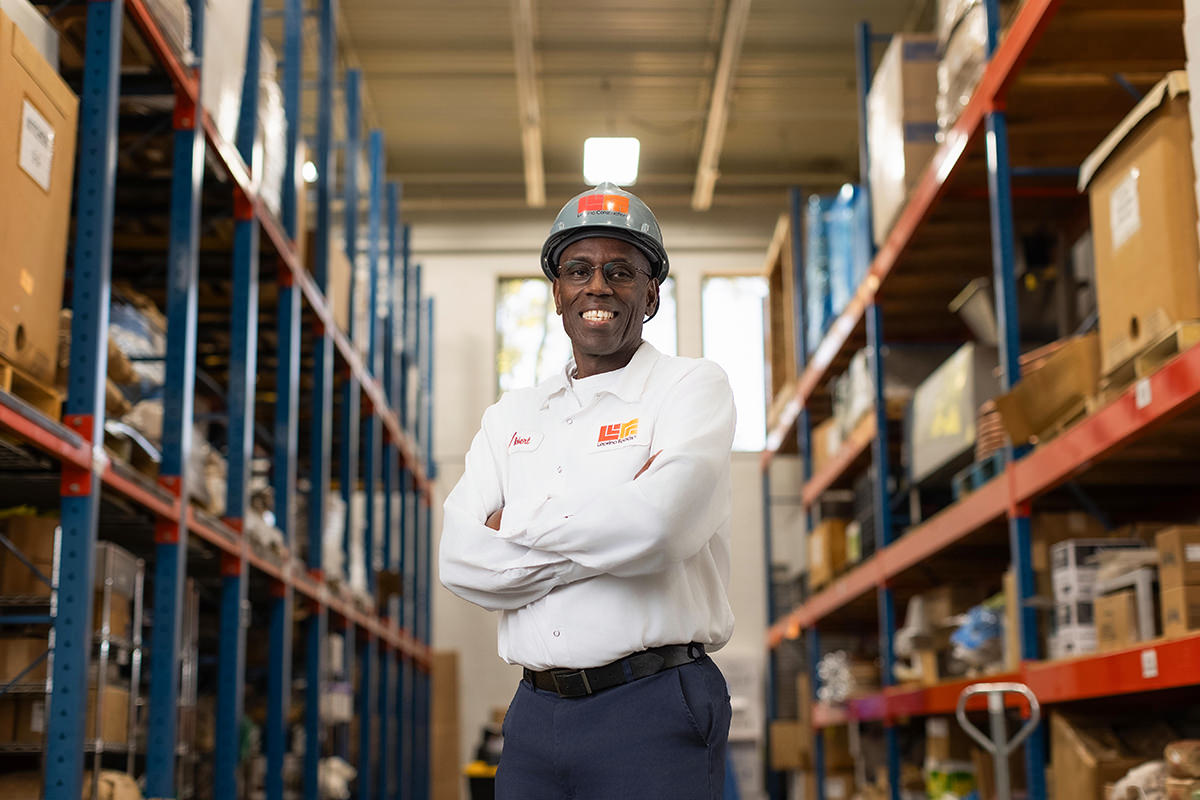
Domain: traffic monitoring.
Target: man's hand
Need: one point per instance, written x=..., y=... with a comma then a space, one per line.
x=493, y=521
x=645, y=466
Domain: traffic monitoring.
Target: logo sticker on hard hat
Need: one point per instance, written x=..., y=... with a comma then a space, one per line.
x=603, y=204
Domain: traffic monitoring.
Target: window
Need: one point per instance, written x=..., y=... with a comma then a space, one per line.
x=731, y=309
x=531, y=344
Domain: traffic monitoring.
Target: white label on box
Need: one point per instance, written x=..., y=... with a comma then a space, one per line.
x=1124, y=214
x=1191, y=552
x=835, y=789
x=1142, y=394
x=37, y=145
x=937, y=727
x=37, y=717
x=1150, y=663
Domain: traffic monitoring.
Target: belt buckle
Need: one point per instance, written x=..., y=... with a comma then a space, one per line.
x=565, y=688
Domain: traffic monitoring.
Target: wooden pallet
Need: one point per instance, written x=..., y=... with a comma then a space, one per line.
x=45, y=399
x=1179, y=338
x=1150, y=358
x=977, y=474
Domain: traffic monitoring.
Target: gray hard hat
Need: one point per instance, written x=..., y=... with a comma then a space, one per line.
x=609, y=211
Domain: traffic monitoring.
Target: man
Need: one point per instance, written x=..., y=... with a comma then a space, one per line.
x=594, y=515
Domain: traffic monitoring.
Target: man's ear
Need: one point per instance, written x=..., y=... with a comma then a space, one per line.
x=557, y=297
x=653, y=299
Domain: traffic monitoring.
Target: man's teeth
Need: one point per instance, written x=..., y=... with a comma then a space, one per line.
x=598, y=316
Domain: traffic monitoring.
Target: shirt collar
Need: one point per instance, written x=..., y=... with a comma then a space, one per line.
x=629, y=388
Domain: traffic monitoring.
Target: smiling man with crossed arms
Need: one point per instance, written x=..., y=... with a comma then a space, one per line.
x=594, y=515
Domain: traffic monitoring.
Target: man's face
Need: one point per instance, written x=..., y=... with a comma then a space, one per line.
x=603, y=320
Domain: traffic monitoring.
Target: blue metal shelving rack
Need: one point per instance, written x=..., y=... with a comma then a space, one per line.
x=395, y=634
x=1003, y=244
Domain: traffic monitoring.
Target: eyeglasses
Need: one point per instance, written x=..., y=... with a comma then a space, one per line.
x=616, y=273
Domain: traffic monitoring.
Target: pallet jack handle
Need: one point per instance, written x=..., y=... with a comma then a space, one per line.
x=999, y=745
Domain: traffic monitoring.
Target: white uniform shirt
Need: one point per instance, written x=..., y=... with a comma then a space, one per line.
x=591, y=564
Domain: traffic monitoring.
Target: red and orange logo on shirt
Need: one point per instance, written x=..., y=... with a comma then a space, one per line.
x=617, y=433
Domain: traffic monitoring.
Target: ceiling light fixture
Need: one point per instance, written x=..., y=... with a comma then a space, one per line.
x=611, y=158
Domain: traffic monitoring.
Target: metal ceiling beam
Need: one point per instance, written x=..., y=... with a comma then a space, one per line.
x=528, y=106
x=718, y=109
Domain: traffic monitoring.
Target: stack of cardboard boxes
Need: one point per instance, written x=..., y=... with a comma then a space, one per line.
x=1179, y=579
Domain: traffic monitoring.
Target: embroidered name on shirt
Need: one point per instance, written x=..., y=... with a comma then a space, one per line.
x=618, y=433
x=524, y=441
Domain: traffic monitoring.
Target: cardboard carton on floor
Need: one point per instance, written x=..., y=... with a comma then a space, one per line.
x=789, y=745
x=1084, y=756
x=1140, y=184
x=38, y=121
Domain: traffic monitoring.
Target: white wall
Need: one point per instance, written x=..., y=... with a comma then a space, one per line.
x=461, y=265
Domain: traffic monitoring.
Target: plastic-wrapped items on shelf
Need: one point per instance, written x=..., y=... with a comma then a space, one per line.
x=174, y=19
x=979, y=640
x=335, y=777
x=817, y=298
x=901, y=125
x=849, y=251
x=272, y=132
x=226, y=37
x=964, y=58
x=332, y=558
x=843, y=676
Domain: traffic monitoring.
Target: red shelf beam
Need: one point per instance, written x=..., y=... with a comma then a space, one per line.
x=1149, y=667
x=1018, y=43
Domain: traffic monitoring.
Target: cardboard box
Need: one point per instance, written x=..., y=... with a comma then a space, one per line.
x=38, y=121
x=826, y=552
x=114, y=721
x=1071, y=641
x=1182, y=788
x=901, y=124
x=21, y=786
x=1084, y=757
x=444, y=752
x=951, y=600
x=837, y=748
x=1012, y=621
x=30, y=720
x=1048, y=529
x=1062, y=384
x=826, y=443
x=1116, y=620
x=839, y=786
x=8, y=718
x=1180, y=610
x=789, y=745
x=1178, y=556
x=338, y=292
x=120, y=615
x=34, y=538
x=942, y=424
x=1140, y=184
x=945, y=740
x=17, y=654
x=1072, y=573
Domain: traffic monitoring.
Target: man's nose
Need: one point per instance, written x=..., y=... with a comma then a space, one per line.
x=597, y=283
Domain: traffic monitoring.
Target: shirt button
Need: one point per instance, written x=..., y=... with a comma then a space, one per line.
x=558, y=469
x=556, y=634
x=570, y=421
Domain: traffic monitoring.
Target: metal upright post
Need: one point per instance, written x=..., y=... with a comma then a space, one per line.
x=879, y=445
x=170, y=565
x=388, y=741
x=322, y=403
x=351, y=422
x=425, y=534
x=1004, y=280
x=71, y=636
x=814, y=679
x=419, y=678
x=287, y=412
x=368, y=658
x=243, y=372
x=405, y=698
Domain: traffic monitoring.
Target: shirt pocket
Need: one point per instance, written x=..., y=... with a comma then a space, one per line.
x=616, y=464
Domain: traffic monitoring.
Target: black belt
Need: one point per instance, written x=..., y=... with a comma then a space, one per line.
x=582, y=682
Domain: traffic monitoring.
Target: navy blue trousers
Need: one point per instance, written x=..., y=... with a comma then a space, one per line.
x=658, y=738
